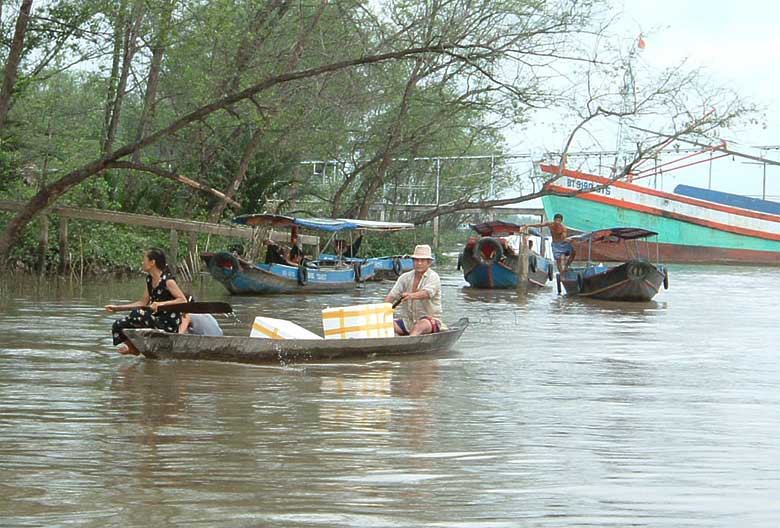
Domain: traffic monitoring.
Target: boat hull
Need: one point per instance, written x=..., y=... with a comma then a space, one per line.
x=635, y=280
x=240, y=278
x=156, y=344
x=385, y=268
x=690, y=230
x=502, y=275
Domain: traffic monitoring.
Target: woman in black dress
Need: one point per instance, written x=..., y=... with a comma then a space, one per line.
x=161, y=289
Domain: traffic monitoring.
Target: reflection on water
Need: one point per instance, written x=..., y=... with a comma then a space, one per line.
x=551, y=411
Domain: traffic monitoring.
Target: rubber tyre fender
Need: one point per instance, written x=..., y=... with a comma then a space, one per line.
x=666, y=279
x=219, y=259
x=356, y=269
x=549, y=272
x=303, y=274
x=488, y=241
x=397, y=266
x=580, y=282
x=532, y=263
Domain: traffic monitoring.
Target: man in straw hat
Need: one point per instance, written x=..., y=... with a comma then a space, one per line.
x=420, y=293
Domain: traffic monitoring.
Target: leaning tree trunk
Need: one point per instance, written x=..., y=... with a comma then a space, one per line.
x=14, y=58
x=51, y=193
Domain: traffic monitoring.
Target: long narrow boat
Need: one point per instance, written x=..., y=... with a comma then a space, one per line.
x=490, y=262
x=254, y=278
x=693, y=225
x=156, y=344
x=635, y=278
x=385, y=267
x=390, y=267
x=247, y=278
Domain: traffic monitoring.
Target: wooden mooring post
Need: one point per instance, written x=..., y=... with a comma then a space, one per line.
x=64, y=250
x=521, y=267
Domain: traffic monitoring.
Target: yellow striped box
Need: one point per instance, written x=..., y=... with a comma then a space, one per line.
x=358, y=321
x=268, y=328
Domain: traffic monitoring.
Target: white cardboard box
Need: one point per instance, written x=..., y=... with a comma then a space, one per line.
x=358, y=321
x=269, y=328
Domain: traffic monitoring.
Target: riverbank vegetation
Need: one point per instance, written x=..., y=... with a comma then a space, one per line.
x=206, y=109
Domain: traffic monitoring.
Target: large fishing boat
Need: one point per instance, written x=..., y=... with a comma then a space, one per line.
x=694, y=225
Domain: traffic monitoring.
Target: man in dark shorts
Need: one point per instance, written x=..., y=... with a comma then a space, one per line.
x=560, y=246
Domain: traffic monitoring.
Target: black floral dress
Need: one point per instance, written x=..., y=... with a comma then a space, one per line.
x=167, y=321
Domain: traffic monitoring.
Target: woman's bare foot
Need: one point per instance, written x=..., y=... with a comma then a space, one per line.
x=126, y=349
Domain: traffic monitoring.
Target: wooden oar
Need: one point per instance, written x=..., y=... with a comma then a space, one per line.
x=192, y=307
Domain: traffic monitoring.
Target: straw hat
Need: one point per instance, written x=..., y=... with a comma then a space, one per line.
x=423, y=251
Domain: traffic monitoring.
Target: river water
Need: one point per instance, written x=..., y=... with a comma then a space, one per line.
x=550, y=412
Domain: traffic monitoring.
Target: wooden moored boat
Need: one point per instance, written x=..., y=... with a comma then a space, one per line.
x=695, y=225
x=156, y=344
x=635, y=279
x=243, y=278
x=310, y=276
x=490, y=261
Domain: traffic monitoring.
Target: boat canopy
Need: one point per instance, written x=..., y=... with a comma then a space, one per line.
x=373, y=225
x=322, y=224
x=613, y=234
x=500, y=228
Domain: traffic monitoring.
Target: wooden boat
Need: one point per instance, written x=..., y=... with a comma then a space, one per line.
x=489, y=261
x=695, y=225
x=385, y=267
x=635, y=279
x=312, y=276
x=246, y=278
x=390, y=267
x=156, y=344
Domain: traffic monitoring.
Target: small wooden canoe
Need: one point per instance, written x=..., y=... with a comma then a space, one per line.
x=156, y=344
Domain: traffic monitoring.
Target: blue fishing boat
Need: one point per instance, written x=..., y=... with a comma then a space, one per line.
x=386, y=267
x=636, y=278
x=489, y=261
x=308, y=275
x=390, y=267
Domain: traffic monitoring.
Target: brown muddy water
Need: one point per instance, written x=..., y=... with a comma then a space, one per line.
x=550, y=412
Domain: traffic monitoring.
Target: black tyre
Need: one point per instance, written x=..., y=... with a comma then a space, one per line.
x=493, y=248
x=397, y=266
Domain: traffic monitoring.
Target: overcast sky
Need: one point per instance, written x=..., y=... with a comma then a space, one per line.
x=737, y=43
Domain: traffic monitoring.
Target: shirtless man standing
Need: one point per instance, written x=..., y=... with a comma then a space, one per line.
x=560, y=246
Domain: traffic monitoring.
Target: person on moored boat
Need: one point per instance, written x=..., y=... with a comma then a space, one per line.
x=561, y=247
x=420, y=292
x=161, y=289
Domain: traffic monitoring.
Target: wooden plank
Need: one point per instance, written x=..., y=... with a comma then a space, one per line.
x=160, y=222
x=173, y=254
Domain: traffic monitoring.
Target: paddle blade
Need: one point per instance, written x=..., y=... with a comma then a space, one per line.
x=198, y=307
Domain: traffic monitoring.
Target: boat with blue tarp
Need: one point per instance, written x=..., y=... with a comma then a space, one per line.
x=634, y=279
x=307, y=273
x=385, y=267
